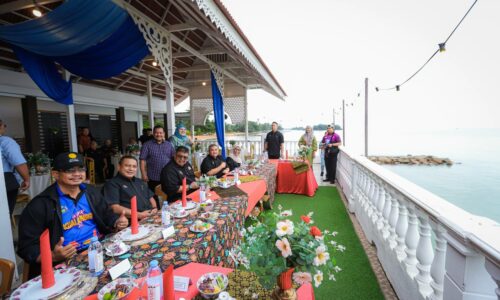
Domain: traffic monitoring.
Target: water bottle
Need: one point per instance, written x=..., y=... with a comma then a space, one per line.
x=203, y=195
x=154, y=281
x=96, y=265
x=165, y=214
x=236, y=175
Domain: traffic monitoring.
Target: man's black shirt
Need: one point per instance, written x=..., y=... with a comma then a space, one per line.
x=171, y=179
x=119, y=190
x=210, y=163
x=274, y=141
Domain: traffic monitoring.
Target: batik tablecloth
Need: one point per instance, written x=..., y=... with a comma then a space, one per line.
x=211, y=247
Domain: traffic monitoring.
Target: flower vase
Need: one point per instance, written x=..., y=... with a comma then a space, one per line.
x=40, y=169
x=285, y=289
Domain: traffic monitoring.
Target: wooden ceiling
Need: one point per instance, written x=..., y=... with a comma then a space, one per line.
x=183, y=19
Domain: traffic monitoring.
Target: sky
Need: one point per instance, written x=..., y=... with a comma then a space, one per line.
x=321, y=50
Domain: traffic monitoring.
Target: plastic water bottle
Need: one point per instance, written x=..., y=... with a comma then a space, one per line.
x=236, y=175
x=154, y=281
x=203, y=195
x=96, y=265
x=165, y=214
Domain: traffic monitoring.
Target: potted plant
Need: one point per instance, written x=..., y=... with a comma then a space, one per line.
x=133, y=149
x=39, y=161
x=277, y=250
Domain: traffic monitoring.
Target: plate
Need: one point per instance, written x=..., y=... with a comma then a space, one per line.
x=209, y=215
x=127, y=236
x=210, y=285
x=189, y=205
x=111, y=286
x=65, y=279
x=205, y=229
x=124, y=248
x=185, y=214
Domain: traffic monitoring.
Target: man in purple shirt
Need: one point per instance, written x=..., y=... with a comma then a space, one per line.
x=331, y=142
x=155, y=154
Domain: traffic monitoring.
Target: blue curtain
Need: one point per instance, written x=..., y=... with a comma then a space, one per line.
x=74, y=26
x=218, y=114
x=122, y=50
x=44, y=73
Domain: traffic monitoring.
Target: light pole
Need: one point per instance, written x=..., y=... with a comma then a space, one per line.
x=366, y=117
x=343, y=121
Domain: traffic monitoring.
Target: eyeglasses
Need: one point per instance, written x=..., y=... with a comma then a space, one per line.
x=182, y=156
x=75, y=170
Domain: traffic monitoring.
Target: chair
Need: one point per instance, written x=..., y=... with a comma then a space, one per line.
x=161, y=195
x=7, y=268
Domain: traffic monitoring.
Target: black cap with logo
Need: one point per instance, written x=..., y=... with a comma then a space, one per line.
x=68, y=160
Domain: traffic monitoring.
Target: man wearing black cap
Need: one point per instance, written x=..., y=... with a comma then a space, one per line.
x=70, y=210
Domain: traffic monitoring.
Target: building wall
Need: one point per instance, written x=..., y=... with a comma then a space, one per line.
x=11, y=113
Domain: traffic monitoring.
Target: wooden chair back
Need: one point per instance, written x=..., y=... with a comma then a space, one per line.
x=7, y=269
x=161, y=195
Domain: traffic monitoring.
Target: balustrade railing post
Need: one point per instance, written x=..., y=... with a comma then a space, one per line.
x=387, y=212
x=425, y=255
x=354, y=186
x=438, y=265
x=494, y=271
x=401, y=228
x=373, y=211
x=393, y=219
x=380, y=207
x=411, y=242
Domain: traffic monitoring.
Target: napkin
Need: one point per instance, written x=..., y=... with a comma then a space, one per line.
x=48, y=279
x=134, y=224
x=184, y=200
x=168, y=283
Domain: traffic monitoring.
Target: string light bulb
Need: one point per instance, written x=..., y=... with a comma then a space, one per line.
x=155, y=63
x=203, y=83
x=397, y=88
x=36, y=12
x=442, y=47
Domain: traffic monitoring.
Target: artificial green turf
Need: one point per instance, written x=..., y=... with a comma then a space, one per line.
x=356, y=280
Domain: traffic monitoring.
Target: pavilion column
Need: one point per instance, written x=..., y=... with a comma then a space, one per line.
x=150, y=101
x=30, y=120
x=191, y=117
x=71, y=121
x=170, y=110
x=122, y=135
x=246, y=115
x=7, y=250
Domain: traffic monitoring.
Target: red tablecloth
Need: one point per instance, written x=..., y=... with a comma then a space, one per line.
x=255, y=191
x=288, y=182
x=194, y=271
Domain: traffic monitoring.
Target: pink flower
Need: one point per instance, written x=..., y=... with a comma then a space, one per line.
x=302, y=277
x=284, y=246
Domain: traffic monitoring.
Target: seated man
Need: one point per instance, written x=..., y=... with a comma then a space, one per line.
x=70, y=210
x=214, y=164
x=119, y=190
x=173, y=173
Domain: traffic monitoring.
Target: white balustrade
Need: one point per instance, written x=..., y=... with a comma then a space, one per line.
x=429, y=248
x=411, y=242
x=401, y=228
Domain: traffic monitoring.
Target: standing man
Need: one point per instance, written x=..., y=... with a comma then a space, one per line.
x=173, y=174
x=155, y=154
x=120, y=189
x=147, y=134
x=12, y=158
x=70, y=210
x=331, y=142
x=274, y=142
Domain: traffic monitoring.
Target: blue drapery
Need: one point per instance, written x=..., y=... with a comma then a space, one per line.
x=218, y=114
x=122, y=50
x=72, y=27
x=44, y=73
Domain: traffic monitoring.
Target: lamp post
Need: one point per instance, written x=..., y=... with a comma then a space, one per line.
x=343, y=121
x=366, y=116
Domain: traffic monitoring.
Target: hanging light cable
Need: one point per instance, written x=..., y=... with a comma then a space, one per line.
x=442, y=48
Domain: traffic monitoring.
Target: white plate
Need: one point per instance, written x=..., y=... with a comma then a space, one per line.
x=127, y=236
x=65, y=279
x=209, y=215
x=124, y=248
x=185, y=214
x=198, y=231
x=189, y=205
x=110, y=286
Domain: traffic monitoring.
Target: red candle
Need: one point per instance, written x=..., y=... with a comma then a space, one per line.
x=134, y=223
x=184, y=191
x=168, y=283
x=48, y=279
